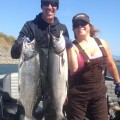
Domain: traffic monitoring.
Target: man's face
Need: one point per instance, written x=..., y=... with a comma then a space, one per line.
x=49, y=10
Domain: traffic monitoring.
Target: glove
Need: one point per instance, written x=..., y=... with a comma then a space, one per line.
x=22, y=39
x=68, y=42
x=117, y=90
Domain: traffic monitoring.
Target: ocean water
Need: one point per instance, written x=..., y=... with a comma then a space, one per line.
x=8, y=68
x=118, y=67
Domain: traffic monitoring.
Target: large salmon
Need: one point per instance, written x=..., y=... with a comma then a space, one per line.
x=29, y=78
x=58, y=74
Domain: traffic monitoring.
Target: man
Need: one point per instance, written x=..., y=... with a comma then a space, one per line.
x=40, y=29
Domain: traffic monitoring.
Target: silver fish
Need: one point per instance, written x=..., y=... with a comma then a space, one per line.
x=58, y=74
x=29, y=78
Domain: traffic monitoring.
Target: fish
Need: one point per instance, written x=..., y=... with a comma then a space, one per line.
x=58, y=74
x=29, y=78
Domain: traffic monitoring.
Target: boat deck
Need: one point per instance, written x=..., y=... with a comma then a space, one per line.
x=11, y=85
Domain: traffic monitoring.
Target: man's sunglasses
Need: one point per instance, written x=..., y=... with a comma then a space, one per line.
x=79, y=23
x=53, y=4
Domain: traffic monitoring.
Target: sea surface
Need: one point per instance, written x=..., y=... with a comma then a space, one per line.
x=10, y=68
x=118, y=67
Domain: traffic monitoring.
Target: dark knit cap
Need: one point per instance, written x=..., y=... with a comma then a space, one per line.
x=57, y=1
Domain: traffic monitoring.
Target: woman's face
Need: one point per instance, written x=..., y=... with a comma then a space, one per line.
x=49, y=10
x=81, y=28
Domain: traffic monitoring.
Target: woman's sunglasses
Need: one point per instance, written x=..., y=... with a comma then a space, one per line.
x=79, y=23
x=53, y=4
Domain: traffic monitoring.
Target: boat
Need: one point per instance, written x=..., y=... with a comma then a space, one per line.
x=10, y=108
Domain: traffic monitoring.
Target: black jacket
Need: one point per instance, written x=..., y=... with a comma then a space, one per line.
x=38, y=29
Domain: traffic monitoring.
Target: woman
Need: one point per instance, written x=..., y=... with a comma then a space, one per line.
x=88, y=59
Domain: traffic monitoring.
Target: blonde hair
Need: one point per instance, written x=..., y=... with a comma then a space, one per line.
x=93, y=31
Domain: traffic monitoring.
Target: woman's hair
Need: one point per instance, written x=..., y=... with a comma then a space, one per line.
x=93, y=31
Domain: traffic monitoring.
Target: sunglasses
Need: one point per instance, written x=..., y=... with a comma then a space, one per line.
x=53, y=4
x=79, y=23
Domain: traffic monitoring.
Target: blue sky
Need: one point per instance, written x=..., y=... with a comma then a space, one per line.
x=104, y=14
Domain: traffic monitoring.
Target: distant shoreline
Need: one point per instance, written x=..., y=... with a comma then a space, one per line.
x=117, y=63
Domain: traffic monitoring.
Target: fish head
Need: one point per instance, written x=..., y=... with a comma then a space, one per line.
x=58, y=44
x=28, y=48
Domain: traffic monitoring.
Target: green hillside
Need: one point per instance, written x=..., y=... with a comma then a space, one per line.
x=6, y=39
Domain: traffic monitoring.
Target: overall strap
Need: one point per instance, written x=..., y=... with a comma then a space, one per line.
x=101, y=47
x=82, y=52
